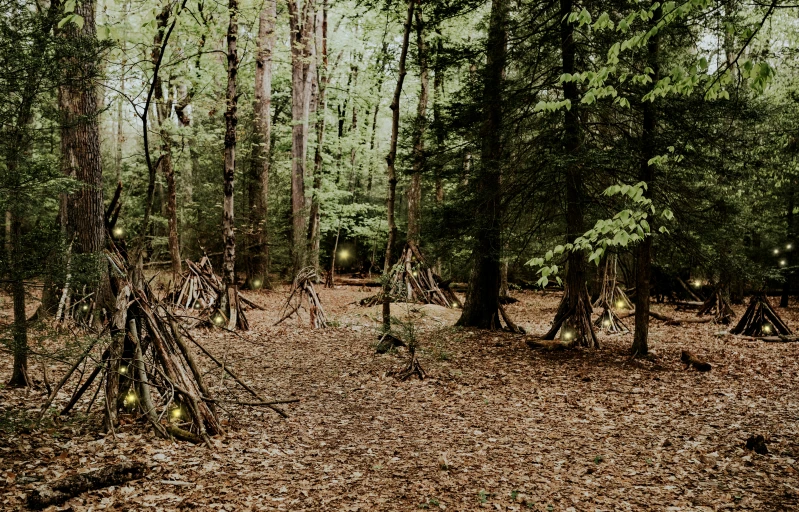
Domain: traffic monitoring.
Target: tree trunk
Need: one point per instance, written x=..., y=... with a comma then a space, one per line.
x=789, y=260
x=301, y=24
x=647, y=174
x=120, y=125
x=259, y=178
x=415, y=191
x=390, y=161
x=482, y=296
x=80, y=139
x=19, y=375
x=314, y=216
x=231, y=120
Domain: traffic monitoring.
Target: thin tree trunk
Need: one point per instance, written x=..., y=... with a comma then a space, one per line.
x=120, y=125
x=301, y=24
x=415, y=191
x=390, y=161
x=482, y=296
x=647, y=174
x=19, y=375
x=231, y=120
x=789, y=260
x=261, y=157
x=314, y=216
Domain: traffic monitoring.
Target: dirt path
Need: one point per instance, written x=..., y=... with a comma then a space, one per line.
x=496, y=425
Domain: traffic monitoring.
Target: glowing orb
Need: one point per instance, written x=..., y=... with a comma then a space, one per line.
x=567, y=335
x=783, y=263
x=344, y=254
x=620, y=304
x=119, y=231
x=606, y=323
x=776, y=251
x=697, y=284
x=130, y=398
x=85, y=307
x=414, y=273
x=123, y=369
x=176, y=413
x=197, y=305
x=256, y=283
x=767, y=328
x=789, y=247
x=218, y=319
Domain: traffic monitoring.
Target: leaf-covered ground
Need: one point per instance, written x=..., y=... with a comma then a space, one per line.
x=496, y=424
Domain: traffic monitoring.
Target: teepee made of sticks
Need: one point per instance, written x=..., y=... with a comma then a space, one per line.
x=760, y=319
x=611, y=299
x=200, y=295
x=303, y=288
x=718, y=306
x=413, y=280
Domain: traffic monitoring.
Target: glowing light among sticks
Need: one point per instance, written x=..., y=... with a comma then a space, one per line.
x=606, y=323
x=123, y=369
x=415, y=273
x=697, y=284
x=256, y=284
x=219, y=319
x=176, y=413
x=344, y=254
x=767, y=328
x=118, y=232
x=130, y=398
x=197, y=305
x=620, y=304
x=567, y=335
x=85, y=307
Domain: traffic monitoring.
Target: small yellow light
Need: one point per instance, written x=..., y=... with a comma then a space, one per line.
x=85, y=307
x=697, y=284
x=776, y=251
x=197, y=305
x=789, y=247
x=256, y=283
x=767, y=328
x=123, y=369
x=414, y=273
x=783, y=263
x=118, y=231
x=218, y=319
x=567, y=335
x=606, y=323
x=344, y=254
x=620, y=304
x=176, y=413
x=130, y=398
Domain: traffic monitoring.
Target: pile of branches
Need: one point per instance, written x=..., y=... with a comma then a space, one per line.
x=412, y=280
x=611, y=299
x=200, y=291
x=718, y=306
x=303, y=288
x=760, y=320
x=148, y=367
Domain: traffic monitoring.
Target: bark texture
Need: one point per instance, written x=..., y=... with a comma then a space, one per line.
x=415, y=190
x=231, y=120
x=482, y=296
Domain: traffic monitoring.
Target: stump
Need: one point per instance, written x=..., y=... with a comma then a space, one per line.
x=760, y=320
x=303, y=288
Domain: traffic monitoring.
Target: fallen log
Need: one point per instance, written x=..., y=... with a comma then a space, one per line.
x=66, y=488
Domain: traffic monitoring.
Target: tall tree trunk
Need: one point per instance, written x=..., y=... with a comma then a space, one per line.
x=573, y=318
x=415, y=191
x=322, y=74
x=789, y=259
x=390, y=164
x=261, y=153
x=647, y=174
x=482, y=296
x=301, y=24
x=120, y=124
x=80, y=139
x=19, y=375
x=231, y=120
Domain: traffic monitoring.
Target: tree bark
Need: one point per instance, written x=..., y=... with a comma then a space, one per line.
x=19, y=375
x=482, y=296
x=390, y=164
x=789, y=259
x=231, y=120
x=80, y=139
x=415, y=190
x=647, y=174
x=261, y=153
x=314, y=216
x=301, y=24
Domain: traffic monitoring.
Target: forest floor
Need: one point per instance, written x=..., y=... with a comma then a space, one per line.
x=495, y=425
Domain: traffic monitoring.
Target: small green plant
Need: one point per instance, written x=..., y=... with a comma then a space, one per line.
x=513, y=495
x=483, y=496
x=550, y=507
x=598, y=459
x=432, y=501
x=649, y=461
